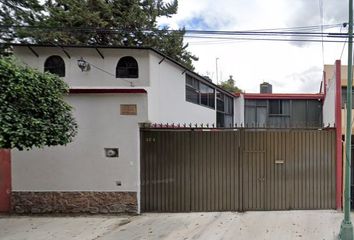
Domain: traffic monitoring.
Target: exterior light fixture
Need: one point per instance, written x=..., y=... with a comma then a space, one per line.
x=83, y=65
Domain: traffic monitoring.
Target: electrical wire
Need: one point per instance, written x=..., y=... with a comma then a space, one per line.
x=341, y=55
x=304, y=28
x=321, y=19
x=301, y=34
x=284, y=32
x=108, y=73
x=267, y=39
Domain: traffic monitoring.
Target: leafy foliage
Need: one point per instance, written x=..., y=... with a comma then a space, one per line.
x=33, y=112
x=96, y=22
x=229, y=85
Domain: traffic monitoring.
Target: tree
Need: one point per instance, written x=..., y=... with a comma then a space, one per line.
x=95, y=22
x=229, y=85
x=17, y=12
x=33, y=112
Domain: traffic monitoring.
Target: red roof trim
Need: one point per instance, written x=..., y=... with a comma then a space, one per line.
x=282, y=96
x=105, y=90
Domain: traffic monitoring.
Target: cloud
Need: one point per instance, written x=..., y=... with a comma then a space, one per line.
x=201, y=22
x=308, y=13
x=289, y=67
x=303, y=82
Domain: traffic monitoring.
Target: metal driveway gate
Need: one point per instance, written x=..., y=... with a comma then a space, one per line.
x=187, y=170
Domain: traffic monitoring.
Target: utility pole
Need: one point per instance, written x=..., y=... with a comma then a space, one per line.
x=346, y=228
x=216, y=68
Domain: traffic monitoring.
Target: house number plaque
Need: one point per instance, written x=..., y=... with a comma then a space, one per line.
x=128, y=109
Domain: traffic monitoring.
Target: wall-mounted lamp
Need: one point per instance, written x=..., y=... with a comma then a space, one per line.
x=83, y=65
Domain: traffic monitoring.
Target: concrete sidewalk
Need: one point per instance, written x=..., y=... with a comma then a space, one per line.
x=61, y=228
x=179, y=226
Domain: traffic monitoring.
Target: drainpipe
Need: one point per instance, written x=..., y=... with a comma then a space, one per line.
x=338, y=124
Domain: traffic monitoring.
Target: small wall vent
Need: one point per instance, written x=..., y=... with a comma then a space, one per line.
x=111, y=152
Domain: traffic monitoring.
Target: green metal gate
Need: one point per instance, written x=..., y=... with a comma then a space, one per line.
x=185, y=170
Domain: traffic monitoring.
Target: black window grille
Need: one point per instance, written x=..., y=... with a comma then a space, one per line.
x=55, y=65
x=127, y=67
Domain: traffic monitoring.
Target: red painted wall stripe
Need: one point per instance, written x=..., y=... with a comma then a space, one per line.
x=338, y=120
x=282, y=96
x=106, y=90
x=5, y=180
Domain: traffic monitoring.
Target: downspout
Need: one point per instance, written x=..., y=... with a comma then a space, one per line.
x=338, y=123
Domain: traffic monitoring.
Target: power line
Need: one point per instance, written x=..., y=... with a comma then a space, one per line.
x=321, y=19
x=300, y=35
x=267, y=39
x=286, y=31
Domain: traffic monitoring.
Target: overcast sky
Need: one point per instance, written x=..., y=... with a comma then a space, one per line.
x=289, y=66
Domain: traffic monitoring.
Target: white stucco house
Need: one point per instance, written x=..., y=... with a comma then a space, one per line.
x=112, y=90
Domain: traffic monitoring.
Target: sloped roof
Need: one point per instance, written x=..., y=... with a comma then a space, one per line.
x=136, y=48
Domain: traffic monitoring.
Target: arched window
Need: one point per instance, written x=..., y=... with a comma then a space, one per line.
x=127, y=67
x=55, y=65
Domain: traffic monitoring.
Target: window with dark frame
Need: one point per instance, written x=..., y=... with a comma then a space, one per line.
x=283, y=113
x=55, y=65
x=344, y=98
x=207, y=95
x=279, y=107
x=192, y=90
x=225, y=110
x=220, y=101
x=127, y=67
x=199, y=93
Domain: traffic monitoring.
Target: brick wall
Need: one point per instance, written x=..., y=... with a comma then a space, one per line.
x=74, y=202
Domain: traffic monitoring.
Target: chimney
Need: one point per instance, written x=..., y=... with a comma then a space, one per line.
x=265, y=87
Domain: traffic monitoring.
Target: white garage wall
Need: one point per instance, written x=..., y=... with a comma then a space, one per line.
x=329, y=104
x=82, y=165
x=239, y=110
x=167, y=96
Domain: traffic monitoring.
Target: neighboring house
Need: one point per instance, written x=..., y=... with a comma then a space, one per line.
x=336, y=91
x=279, y=110
x=283, y=110
x=112, y=91
x=331, y=71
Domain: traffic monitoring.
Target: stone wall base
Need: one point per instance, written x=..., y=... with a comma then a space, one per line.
x=74, y=202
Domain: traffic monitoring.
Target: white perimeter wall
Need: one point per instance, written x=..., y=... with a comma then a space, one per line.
x=167, y=96
x=82, y=165
x=239, y=110
x=329, y=104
